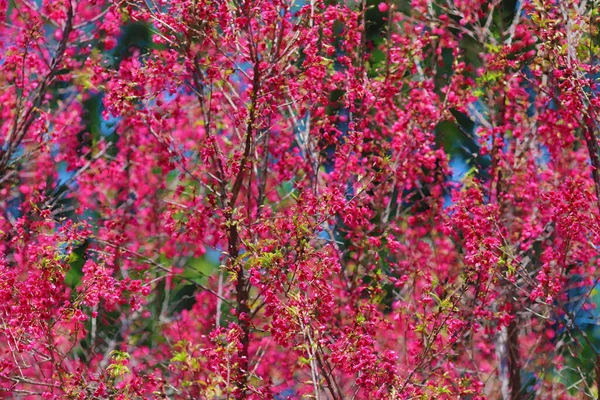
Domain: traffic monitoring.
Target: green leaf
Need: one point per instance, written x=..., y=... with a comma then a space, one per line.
x=180, y=356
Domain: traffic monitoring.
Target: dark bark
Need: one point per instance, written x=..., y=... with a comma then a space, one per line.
x=242, y=287
x=514, y=363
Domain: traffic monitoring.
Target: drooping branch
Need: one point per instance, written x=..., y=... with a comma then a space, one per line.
x=22, y=124
x=592, y=146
